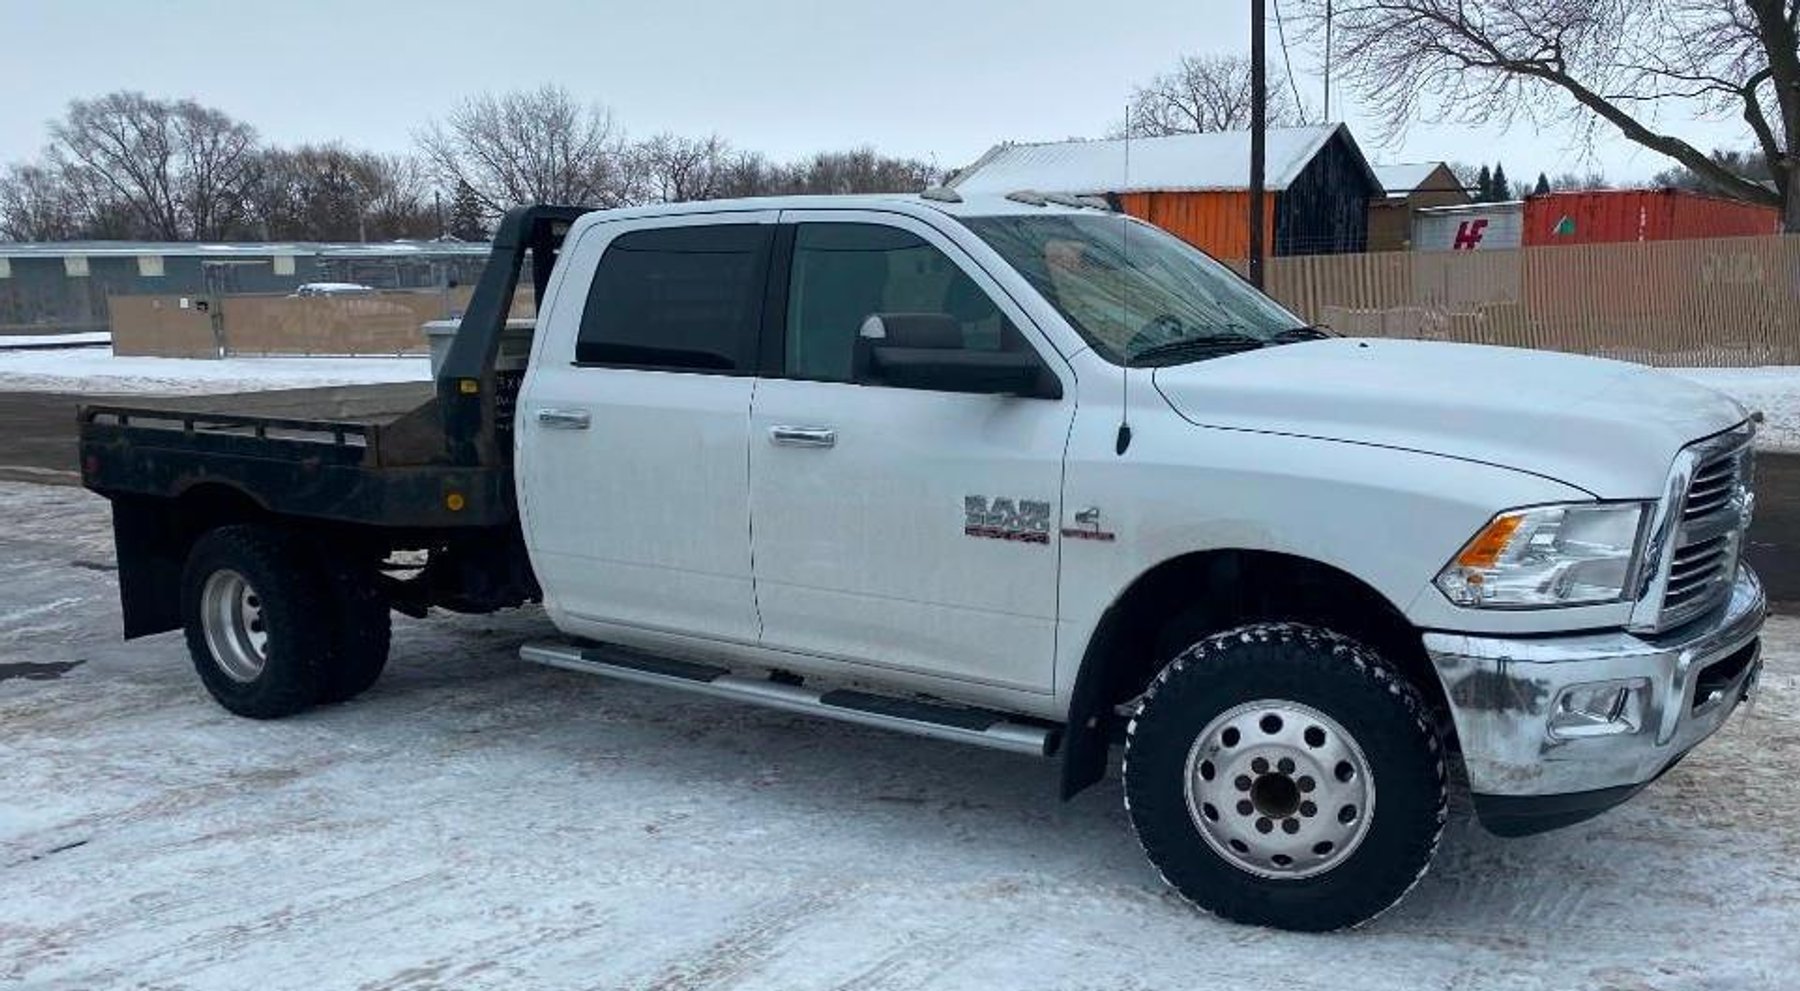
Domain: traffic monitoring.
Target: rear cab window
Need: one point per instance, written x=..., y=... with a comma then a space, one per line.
x=686, y=298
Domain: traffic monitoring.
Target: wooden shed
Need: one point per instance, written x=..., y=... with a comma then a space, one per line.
x=1410, y=187
x=1196, y=186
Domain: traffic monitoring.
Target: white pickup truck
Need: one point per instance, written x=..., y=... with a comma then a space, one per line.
x=1015, y=472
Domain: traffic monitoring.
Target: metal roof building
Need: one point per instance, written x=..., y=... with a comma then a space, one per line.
x=1196, y=185
x=64, y=285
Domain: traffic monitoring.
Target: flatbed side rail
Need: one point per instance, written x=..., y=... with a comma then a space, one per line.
x=341, y=433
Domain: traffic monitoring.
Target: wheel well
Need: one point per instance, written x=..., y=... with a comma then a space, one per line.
x=210, y=505
x=1195, y=595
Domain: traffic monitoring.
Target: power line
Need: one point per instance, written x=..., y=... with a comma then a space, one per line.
x=1281, y=31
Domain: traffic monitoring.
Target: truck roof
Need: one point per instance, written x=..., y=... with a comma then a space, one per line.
x=970, y=205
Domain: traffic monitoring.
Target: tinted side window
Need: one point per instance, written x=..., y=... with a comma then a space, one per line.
x=844, y=273
x=679, y=297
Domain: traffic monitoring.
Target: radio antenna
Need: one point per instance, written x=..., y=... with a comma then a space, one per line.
x=1124, y=439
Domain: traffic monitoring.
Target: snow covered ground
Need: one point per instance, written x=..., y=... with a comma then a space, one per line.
x=478, y=822
x=98, y=371
x=1774, y=389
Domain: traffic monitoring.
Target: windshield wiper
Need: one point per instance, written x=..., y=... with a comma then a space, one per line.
x=1294, y=335
x=1194, y=348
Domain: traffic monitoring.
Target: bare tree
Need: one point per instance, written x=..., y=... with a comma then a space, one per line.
x=859, y=170
x=1750, y=165
x=178, y=168
x=528, y=146
x=36, y=204
x=1204, y=93
x=669, y=168
x=399, y=198
x=1574, y=182
x=329, y=193
x=1600, y=64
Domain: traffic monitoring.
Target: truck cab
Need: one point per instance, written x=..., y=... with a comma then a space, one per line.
x=1026, y=473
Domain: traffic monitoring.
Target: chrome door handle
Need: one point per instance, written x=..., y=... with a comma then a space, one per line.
x=564, y=419
x=803, y=436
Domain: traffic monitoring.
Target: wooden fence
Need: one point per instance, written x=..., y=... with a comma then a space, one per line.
x=1720, y=302
x=382, y=323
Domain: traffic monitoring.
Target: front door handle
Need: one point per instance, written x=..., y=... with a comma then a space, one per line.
x=803, y=436
x=564, y=419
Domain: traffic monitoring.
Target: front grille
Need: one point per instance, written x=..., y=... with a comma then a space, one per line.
x=1709, y=533
x=1713, y=486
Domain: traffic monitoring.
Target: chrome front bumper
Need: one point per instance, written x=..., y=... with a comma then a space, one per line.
x=1507, y=697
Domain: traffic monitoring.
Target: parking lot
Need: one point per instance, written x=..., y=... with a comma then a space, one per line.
x=478, y=822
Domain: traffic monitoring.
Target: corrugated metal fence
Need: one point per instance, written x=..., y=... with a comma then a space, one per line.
x=1720, y=302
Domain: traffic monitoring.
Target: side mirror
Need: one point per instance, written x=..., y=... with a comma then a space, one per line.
x=925, y=351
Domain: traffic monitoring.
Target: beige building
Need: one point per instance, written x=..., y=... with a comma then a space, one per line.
x=1409, y=187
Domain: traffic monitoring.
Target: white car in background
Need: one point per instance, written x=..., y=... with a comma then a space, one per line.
x=334, y=289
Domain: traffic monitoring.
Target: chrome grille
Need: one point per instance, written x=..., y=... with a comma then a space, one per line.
x=1713, y=486
x=1708, y=537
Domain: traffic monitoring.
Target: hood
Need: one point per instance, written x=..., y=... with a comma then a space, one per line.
x=1608, y=427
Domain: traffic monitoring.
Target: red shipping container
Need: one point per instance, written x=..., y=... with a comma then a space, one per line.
x=1611, y=216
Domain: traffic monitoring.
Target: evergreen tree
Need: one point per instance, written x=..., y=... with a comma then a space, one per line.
x=466, y=220
x=1543, y=185
x=1484, y=186
x=1502, y=190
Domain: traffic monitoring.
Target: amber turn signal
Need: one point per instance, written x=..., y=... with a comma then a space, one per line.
x=1485, y=550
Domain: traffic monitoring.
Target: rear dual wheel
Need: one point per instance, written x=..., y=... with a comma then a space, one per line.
x=1283, y=775
x=272, y=631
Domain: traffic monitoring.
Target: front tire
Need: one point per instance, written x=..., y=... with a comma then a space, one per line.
x=255, y=614
x=1283, y=775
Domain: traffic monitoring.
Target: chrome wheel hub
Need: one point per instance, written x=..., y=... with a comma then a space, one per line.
x=231, y=616
x=1279, y=789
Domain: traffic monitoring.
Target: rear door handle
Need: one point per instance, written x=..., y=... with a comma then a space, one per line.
x=564, y=419
x=803, y=436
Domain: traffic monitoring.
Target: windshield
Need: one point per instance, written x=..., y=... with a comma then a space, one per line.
x=1136, y=293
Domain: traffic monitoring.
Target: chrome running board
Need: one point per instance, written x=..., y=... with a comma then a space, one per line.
x=980, y=727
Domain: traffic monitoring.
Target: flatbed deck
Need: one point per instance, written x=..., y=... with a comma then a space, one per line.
x=370, y=454
x=376, y=403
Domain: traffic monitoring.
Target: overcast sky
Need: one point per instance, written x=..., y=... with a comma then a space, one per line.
x=935, y=79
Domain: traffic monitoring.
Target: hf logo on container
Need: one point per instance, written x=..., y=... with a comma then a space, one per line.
x=1025, y=521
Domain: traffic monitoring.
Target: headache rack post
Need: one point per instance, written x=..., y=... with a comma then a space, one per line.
x=466, y=383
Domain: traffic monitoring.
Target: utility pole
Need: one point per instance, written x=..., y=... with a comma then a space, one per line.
x=1259, y=126
x=1327, y=119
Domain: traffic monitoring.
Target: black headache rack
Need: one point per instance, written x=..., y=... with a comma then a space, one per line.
x=414, y=456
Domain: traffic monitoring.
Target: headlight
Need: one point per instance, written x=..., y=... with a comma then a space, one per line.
x=1571, y=555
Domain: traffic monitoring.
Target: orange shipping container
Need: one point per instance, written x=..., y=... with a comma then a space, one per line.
x=1609, y=216
x=1215, y=221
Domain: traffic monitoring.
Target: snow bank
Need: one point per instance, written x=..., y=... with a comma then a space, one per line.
x=1774, y=389
x=100, y=372
x=54, y=340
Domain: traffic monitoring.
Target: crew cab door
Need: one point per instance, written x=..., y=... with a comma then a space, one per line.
x=910, y=529
x=633, y=428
